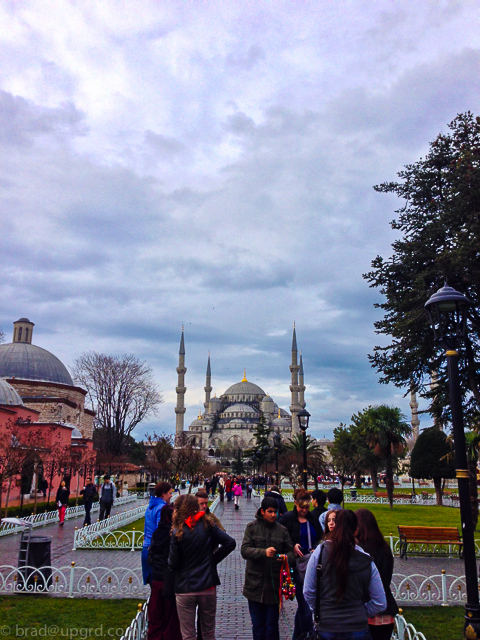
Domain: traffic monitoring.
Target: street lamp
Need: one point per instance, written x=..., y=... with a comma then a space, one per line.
x=303, y=420
x=277, y=438
x=447, y=311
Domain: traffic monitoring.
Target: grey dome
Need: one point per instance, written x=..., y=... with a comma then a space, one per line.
x=8, y=395
x=244, y=388
x=29, y=362
x=240, y=408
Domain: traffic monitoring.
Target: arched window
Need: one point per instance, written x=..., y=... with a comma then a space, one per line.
x=26, y=334
x=20, y=334
x=211, y=452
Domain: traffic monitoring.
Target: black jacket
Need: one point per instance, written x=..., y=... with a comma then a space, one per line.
x=89, y=492
x=193, y=559
x=158, y=559
x=291, y=523
x=282, y=507
x=63, y=495
x=383, y=559
x=317, y=512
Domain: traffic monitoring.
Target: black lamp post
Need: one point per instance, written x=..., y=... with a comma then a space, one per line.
x=276, y=445
x=447, y=311
x=303, y=420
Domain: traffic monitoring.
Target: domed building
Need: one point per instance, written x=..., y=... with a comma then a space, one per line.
x=42, y=381
x=229, y=422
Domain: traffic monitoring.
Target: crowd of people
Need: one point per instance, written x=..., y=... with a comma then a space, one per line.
x=335, y=562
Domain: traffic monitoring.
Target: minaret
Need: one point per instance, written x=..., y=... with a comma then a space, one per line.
x=208, y=385
x=415, y=420
x=181, y=388
x=301, y=397
x=294, y=387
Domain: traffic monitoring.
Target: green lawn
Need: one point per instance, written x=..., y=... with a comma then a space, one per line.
x=138, y=525
x=437, y=623
x=30, y=616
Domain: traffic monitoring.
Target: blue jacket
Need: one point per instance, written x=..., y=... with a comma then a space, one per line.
x=152, y=518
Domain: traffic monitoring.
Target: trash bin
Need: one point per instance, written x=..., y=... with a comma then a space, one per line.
x=39, y=557
x=151, y=489
x=353, y=493
x=183, y=485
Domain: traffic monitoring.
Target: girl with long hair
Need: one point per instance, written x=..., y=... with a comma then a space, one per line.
x=350, y=587
x=196, y=547
x=330, y=523
x=371, y=540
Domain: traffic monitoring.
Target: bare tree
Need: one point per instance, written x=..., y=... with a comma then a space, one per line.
x=121, y=391
x=187, y=460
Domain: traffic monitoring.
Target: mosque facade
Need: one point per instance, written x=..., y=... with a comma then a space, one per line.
x=229, y=422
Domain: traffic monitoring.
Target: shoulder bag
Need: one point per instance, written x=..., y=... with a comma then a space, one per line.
x=314, y=633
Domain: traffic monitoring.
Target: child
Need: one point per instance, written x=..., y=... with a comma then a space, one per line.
x=335, y=498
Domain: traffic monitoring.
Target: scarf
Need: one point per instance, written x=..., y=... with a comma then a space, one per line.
x=191, y=521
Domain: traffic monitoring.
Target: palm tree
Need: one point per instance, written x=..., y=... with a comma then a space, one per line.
x=386, y=430
x=316, y=459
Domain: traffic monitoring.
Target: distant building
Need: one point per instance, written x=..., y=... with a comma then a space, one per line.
x=228, y=422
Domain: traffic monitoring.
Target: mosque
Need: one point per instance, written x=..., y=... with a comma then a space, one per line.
x=229, y=422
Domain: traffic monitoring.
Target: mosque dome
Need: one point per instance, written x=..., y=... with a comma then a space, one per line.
x=28, y=362
x=244, y=388
x=240, y=408
x=8, y=395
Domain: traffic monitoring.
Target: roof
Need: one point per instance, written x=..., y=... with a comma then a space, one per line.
x=8, y=395
x=29, y=362
x=240, y=408
x=244, y=388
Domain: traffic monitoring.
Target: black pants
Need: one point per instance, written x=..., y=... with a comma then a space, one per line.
x=105, y=508
x=88, y=508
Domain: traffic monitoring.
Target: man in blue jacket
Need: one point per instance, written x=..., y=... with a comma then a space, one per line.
x=162, y=496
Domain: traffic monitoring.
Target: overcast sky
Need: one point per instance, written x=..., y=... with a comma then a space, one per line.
x=212, y=163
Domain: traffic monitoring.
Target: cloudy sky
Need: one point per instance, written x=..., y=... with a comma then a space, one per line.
x=211, y=164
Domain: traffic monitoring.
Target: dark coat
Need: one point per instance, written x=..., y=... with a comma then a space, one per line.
x=317, y=512
x=63, y=495
x=262, y=574
x=383, y=559
x=195, y=556
x=89, y=493
x=291, y=523
x=282, y=507
x=158, y=559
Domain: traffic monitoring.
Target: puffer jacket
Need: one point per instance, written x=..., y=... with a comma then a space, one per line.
x=262, y=574
x=194, y=557
x=152, y=518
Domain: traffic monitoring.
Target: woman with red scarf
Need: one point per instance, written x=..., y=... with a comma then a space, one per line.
x=196, y=547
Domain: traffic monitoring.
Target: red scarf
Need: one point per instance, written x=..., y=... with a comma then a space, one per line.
x=191, y=521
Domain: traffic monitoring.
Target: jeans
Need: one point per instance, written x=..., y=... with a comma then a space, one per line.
x=264, y=620
x=187, y=604
x=303, y=615
x=105, y=508
x=163, y=623
x=344, y=635
x=88, y=508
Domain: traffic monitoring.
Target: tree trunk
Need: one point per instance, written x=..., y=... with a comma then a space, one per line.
x=358, y=479
x=389, y=479
x=472, y=478
x=437, y=483
x=373, y=473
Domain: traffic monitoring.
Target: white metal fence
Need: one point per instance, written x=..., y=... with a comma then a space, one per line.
x=50, y=517
x=92, y=536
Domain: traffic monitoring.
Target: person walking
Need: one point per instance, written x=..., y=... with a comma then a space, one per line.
x=371, y=540
x=63, y=494
x=89, y=493
x=350, y=587
x=305, y=533
x=335, y=499
x=163, y=622
x=265, y=543
x=228, y=489
x=197, y=546
x=249, y=489
x=107, y=497
x=162, y=496
x=237, y=494
x=221, y=488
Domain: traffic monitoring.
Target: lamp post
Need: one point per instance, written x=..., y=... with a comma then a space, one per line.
x=303, y=420
x=276, y=445
x=447, y=311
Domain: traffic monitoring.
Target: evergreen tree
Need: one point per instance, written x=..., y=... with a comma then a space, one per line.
x=432, y=458
x=439, y=226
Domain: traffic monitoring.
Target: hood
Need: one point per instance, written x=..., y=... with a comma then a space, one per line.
x=156, y=502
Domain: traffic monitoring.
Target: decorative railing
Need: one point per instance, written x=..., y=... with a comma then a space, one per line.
x=85, y=537
x=50, y=517
x=73, y=581
x=402, y=630
x=441, y=589
x=139, y=625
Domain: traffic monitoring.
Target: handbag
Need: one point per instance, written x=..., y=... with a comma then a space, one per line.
x=301, y=564
x=314, y=634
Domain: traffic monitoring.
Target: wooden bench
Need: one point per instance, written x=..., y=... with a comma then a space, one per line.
x=427, y=536
x=396, y=496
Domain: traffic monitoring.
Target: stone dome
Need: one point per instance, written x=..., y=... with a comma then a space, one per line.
x=29, y=362
x=8, y=395
x=244, y=388
x=240, y=408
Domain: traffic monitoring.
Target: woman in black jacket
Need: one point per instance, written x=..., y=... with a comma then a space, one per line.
x=371, y=540
x=197, y=546
x=305, y=533
x=63, y=494
x=163, y=623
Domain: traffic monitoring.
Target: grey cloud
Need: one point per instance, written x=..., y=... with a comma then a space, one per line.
x=163, y=145
x=246, y=61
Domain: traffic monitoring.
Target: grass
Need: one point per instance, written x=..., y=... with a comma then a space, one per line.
x=30, y=616
x=138, y=525
x=437, y=623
